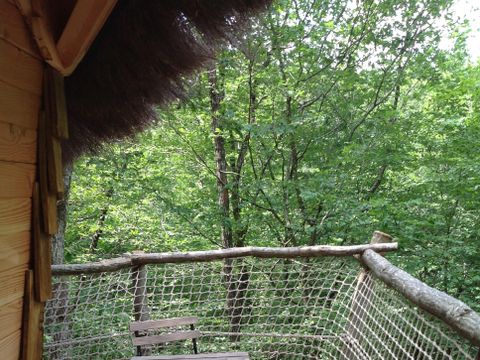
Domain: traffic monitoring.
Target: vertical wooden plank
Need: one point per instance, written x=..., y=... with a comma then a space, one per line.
x=55, y=166
x=60, y=105
x=48, y=200
x=32, y=334
x=42, y=253
x=55, y=127
x=55, y=103
x=361, y=302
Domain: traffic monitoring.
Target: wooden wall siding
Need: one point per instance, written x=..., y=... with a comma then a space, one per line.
x=9, y=346
x=14, y=259
x=21, y=72
x=16, y=179
x=17, y=144
x=11, y=317
x=13, y=31
x=12, y=282
x=25, y=251
x=28, y=70
x=14, y=253
x=17, y=106
x=15, y=216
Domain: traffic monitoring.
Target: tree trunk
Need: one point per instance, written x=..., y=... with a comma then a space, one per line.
x=101, y=221
x=236, y=284
x=58, y=240
x=60, y=288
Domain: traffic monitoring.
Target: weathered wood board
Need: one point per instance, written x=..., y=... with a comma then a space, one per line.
x=17, y=144
x=48, y=198
x=15, y=215
x=32, y=338
x=13, y=281
x=42, y=253
x=10, y=346
x=14, y=253
x=10, y=317
x=17, y=106
x=16, y=180
x=28, y=70
x=14, y=30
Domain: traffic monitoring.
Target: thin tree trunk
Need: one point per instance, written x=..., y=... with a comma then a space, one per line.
x=60, y=288
x=58, y=240
x=233, y=232
x=101, y=221
x=223, y=200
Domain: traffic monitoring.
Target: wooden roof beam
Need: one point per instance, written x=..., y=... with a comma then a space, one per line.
x=84, y=23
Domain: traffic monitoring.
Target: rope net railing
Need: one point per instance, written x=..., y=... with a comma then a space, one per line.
x=272, y=308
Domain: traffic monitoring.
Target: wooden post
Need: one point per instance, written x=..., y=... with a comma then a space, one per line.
x=32, y=334
x=141, y=312
x=42, y=250
x=360, y=305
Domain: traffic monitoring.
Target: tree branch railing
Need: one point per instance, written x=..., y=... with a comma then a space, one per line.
x=459, y=316
x=454, y=313
x=131, y=260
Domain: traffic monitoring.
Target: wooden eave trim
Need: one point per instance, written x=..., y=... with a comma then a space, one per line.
x=82, y=27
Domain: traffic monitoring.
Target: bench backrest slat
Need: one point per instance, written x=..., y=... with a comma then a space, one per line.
x=158, y=324
x=161, y=339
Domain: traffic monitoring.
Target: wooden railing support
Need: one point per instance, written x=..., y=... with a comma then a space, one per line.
x=360, y=306
x=141, y=312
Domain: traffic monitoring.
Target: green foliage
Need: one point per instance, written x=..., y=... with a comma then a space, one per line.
x=352, y=123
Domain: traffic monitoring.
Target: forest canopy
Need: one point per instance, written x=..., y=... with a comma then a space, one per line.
x=329, y=120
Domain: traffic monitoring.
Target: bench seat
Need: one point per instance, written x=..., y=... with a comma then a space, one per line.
x=142, y=339
x=206, y=356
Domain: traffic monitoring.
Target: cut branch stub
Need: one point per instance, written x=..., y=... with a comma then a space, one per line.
x=380, y=238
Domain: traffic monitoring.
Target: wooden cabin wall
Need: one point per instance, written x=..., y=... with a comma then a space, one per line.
x=21, y=70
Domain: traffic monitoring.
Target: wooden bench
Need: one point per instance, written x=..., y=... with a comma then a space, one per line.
x=206, y=356
x=141, y=338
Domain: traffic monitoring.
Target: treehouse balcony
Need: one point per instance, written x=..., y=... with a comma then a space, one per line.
x=318, y=302
x=75, y=75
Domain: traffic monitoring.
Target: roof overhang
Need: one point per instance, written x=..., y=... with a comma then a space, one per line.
x=64, y=34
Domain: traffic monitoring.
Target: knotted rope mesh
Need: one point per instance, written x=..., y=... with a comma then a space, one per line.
x=310, y=308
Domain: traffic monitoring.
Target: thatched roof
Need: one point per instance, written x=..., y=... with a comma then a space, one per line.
x=139, y=60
